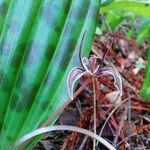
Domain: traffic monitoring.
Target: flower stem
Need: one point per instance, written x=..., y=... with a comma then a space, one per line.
x=94, y=113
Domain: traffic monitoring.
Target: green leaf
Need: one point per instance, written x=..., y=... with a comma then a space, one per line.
x=58, y=98
x=13, y=41
x=144, y=31
x=145, y=90
x=38, y=48
x=106, y=2
x=138, y=7
x=4, y=5
x=113, y=19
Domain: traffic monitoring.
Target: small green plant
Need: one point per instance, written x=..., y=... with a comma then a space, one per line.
x=145, y=90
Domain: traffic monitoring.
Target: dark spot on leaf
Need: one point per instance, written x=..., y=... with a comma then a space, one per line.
x=1, y=47
x=49, y=52
x=147, y=4
x=9, y=138
x=22, y=47
x=67, y=8
x=44, y=105
x=17, y=58
x=1, y=75
x=46, y=80
x=1, y=125
x=20, y=78
x=3, y=8
x=19, y=104
x=58, y=29
x=16, y=103
x=35, y=89
x=5, y=87
x=29, y=96
x=68, y=54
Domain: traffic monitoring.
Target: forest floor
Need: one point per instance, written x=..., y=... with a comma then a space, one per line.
x=125, y=125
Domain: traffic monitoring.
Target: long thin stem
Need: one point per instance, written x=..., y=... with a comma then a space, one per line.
x=100, y=134
x=94, y=113
x=64, y=127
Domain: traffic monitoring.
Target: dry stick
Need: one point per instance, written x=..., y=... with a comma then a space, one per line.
x=78, y=105
x=125, y=139
x=83, y=143
x=105, y=54
x=140, y=108
x=120, y=126
x=94, y=114
x=129, y=118
x=112, y=113
x=61, y=109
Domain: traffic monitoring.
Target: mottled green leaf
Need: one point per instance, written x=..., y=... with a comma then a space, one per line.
x=138, y=7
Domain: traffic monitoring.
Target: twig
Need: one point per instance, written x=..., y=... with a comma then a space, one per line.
x=120, y=126
x=112, y=113
x=78, y=106
x=83, y=143
x=140, y=108
x=94, y=105
x=125, y=139
x=129, y=118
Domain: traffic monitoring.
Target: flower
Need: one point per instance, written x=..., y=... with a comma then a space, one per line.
x=88, y=69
